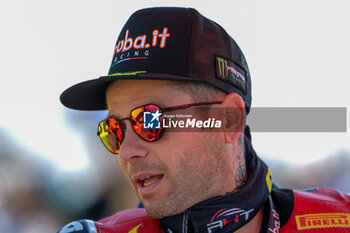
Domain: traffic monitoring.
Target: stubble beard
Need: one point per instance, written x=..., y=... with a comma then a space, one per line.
x=196, y=181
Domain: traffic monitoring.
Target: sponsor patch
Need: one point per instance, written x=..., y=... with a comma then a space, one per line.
x=275, y=224
x=228, y=71
x=224, y=216
x=268, y=179
x=313, y=221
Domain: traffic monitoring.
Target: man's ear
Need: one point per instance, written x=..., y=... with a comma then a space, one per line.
x=233, y=110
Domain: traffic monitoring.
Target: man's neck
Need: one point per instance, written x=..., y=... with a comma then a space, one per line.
x=240, y=211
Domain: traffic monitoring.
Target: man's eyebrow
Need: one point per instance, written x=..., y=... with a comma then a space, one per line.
x=112, y=115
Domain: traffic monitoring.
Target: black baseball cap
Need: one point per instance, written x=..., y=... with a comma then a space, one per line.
x=168, y=43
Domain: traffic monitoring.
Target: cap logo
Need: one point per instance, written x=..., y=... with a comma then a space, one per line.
x=131, y=48
x=228, y=71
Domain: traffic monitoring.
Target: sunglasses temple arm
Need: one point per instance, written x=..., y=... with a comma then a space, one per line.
x=189, y=105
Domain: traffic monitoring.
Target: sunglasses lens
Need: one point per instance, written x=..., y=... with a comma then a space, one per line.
x=149, y=134
x=110, y=134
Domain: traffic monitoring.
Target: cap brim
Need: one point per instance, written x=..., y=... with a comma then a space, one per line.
x=91, y=94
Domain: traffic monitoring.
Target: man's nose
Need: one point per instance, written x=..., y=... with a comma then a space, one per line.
x=132, y=146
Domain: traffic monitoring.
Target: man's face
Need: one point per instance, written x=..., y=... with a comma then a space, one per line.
x=176, y=171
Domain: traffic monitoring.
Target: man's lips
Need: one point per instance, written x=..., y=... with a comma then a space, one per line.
x=146, y=182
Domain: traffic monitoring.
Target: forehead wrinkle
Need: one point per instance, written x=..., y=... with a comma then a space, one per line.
x=138, y=94
x=116, y=104
x=113, y=92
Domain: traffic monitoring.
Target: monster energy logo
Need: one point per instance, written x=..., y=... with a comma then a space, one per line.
x=222, y=63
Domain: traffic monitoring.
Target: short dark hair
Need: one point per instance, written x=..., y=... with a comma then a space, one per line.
x=199, y=91
x=203, y=92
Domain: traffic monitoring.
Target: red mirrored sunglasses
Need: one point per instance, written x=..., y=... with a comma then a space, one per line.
x=112, y=132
